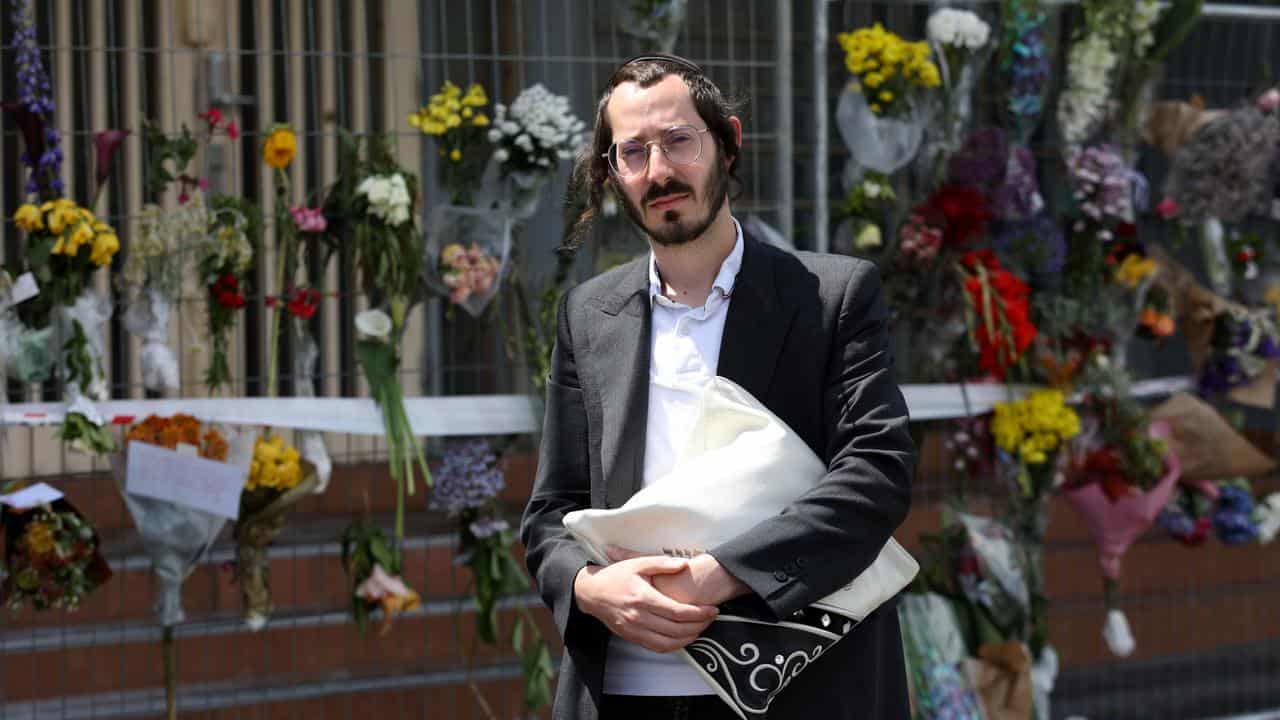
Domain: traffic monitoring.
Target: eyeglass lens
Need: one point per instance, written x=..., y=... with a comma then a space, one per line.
x=681, y=145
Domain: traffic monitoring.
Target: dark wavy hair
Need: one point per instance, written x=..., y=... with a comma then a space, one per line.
x=592, y=173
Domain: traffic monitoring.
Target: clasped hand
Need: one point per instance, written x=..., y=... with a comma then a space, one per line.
x=659, y=603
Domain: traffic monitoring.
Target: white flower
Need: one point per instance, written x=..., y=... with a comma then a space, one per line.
x=1267, y=516
x=495, y=135
x=501, y=155
x=871, y=189
x=397, y=215
x=868, y=237
x=376, y=189
x=1117, y=634
x=959, y=28
x=374, y=324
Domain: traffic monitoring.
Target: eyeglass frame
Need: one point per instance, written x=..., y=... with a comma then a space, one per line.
x=648, y=151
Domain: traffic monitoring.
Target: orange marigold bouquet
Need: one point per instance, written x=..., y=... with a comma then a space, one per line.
x=176, y=532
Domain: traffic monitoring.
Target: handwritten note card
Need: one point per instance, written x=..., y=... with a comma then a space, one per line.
x=194, y=482
x=29, y=497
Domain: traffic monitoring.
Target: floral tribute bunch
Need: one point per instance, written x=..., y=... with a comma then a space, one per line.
x=888, y=69
x=458, y=123
x=53, y=557
x=278, y=479
x=997, y=311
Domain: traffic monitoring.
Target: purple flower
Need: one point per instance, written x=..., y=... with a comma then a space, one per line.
x=468, y=477
x=1100, y=183
x=34, y=106
x=1234, y=528
x=981, y=161
x=1035, y=244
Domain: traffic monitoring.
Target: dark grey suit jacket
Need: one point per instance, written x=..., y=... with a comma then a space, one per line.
x=806, y=334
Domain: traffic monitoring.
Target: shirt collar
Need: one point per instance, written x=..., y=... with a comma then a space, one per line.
x=724, y=279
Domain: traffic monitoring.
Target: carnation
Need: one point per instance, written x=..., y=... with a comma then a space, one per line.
x=958, y=28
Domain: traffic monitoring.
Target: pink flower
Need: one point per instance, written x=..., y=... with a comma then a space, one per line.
x=1168, y=208
x=233, y=130
x=213, y=116
x=1269, y=100
x=309, y=219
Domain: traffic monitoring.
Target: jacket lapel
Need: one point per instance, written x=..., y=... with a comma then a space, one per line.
x=620, y=343
x=757, y=323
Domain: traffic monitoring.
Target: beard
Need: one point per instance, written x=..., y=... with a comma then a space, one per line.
x=678, y=227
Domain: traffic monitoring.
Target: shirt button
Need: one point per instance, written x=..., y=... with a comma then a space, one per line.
x=780, y=576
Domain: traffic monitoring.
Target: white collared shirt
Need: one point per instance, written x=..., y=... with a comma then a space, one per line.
x=684, y=353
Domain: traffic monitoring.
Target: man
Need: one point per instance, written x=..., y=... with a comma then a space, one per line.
x=803, y=333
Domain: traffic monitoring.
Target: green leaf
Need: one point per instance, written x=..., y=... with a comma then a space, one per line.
x=1173, y=27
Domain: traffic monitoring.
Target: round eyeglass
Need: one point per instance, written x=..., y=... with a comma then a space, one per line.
x=681, y=144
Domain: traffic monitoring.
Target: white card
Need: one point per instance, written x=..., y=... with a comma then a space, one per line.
x=31, y=496
x=194, y=482
x=24, y=288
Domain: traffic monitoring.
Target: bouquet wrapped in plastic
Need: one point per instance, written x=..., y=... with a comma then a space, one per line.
x=278, y=479
x=52, y=552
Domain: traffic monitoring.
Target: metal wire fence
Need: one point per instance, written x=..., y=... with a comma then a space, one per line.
x=329, y=64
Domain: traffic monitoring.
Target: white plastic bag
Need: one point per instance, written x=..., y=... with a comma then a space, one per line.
x=147, y=317
x=883, y=144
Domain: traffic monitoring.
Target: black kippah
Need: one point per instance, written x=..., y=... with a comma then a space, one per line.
x=658, y=57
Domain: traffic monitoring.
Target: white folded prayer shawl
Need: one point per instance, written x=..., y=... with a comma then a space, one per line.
x=741, y=466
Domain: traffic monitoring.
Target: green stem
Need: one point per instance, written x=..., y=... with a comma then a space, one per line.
x=170, y=653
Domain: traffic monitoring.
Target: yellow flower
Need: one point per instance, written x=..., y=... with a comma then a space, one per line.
x=875, y=108
x=280, y=148
x=929, y=76
x=886, y=96
x=267, y=476
x=873, y=80
x=58, y=246
x=467, y=112
x=105, y=246
x=28, y=218
x=81, y=235
x=475, y=96
x=39, y=538
x=1134, y=269
x=455, y=155
x=453, y=121
x=434, y=128
x=60, y=217
x=480, y=120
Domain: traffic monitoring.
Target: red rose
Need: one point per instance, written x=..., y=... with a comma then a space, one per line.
x=964, y=210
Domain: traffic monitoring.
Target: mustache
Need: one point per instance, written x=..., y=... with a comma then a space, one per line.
x=672, y=187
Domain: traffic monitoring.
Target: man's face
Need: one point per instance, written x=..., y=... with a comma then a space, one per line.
x=672, y=203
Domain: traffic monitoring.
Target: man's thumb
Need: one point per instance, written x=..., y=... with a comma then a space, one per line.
x=662, y=565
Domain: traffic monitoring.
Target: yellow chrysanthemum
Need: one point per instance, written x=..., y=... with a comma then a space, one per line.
x=28, y=218
x=105, y=246
x=480, y=120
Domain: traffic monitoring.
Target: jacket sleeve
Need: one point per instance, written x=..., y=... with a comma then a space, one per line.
x=561, y=485
x=835, y=531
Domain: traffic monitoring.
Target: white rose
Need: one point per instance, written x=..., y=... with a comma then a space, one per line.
x=398, y=215
x=376, y=189
x=374, y=324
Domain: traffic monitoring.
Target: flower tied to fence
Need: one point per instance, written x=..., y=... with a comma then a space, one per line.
x=997, y=311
